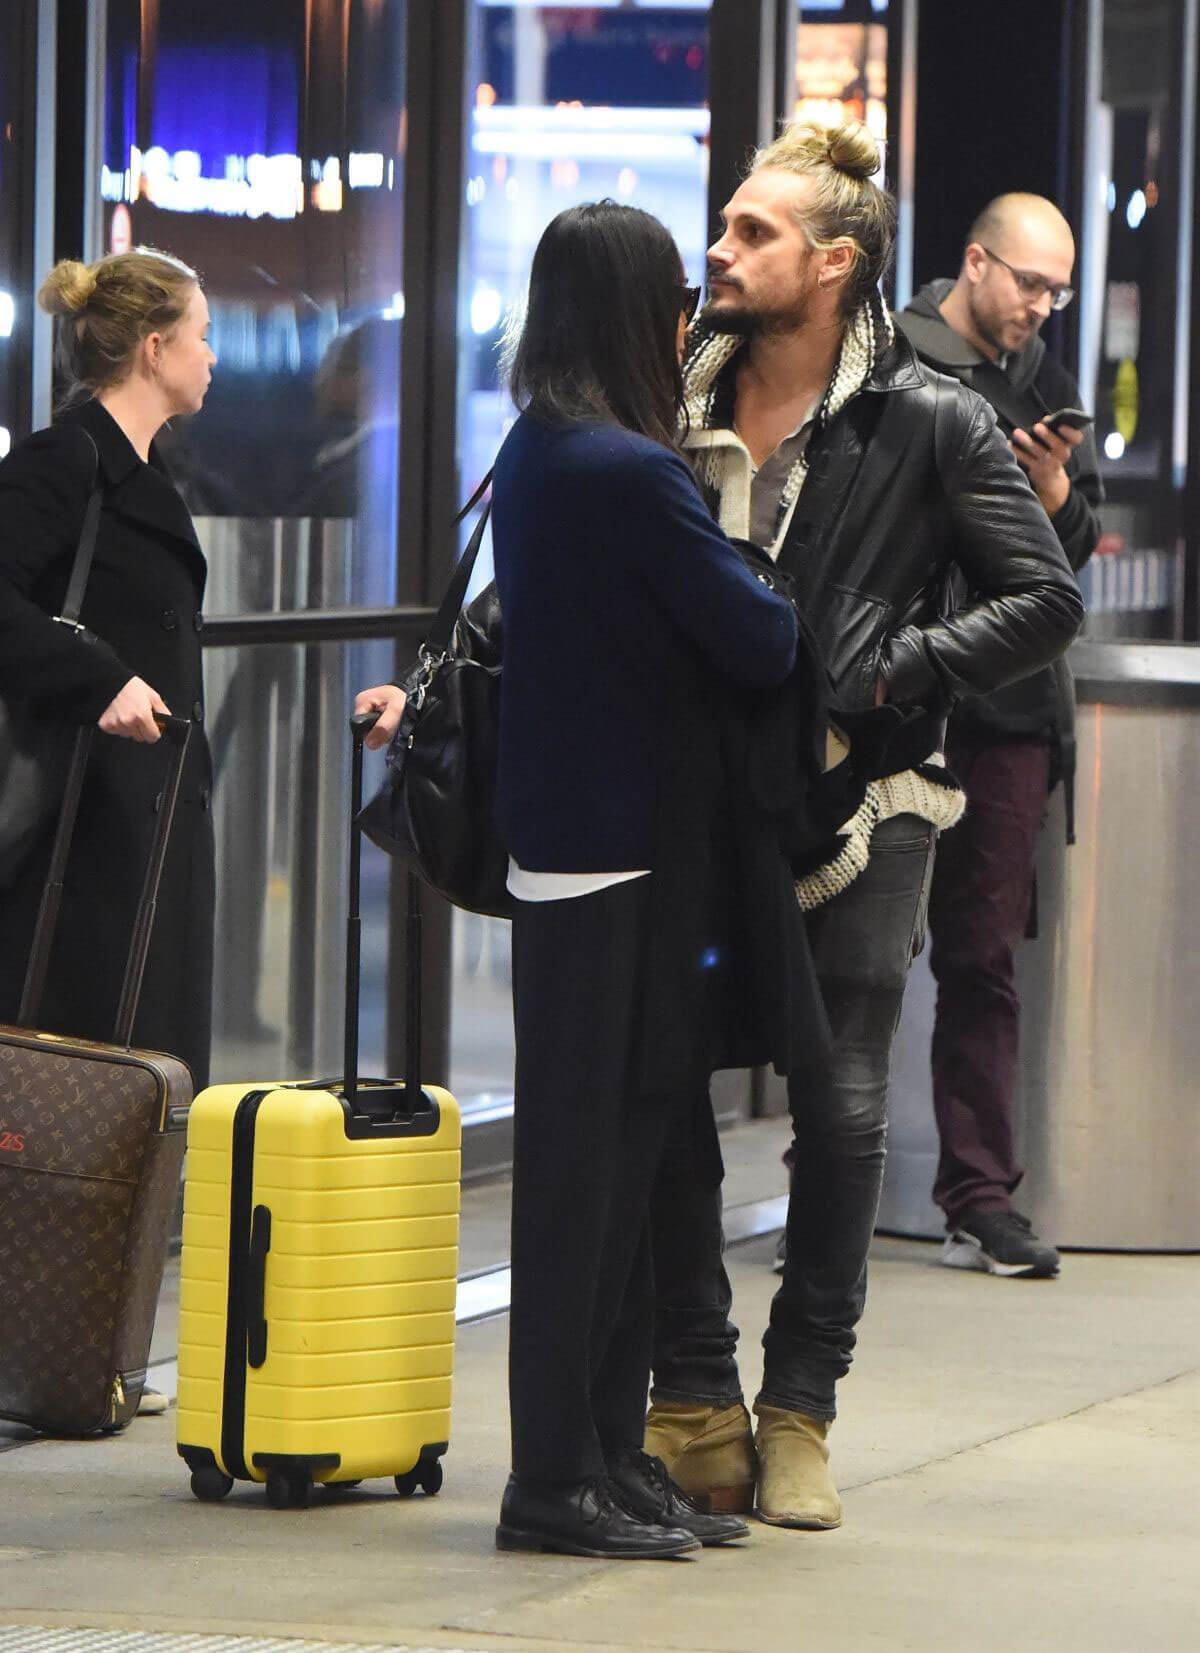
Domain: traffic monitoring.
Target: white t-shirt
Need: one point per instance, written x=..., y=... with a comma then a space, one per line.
x=562, y=886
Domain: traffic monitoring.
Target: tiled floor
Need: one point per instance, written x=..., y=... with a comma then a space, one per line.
x=1019, y=1463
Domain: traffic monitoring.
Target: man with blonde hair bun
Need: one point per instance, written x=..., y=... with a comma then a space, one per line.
x=817, y=433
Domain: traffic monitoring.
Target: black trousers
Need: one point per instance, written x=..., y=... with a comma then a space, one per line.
x=978, y=914
x=587, y=1143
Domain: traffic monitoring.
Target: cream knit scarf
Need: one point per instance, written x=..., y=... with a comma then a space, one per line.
x=868, y=335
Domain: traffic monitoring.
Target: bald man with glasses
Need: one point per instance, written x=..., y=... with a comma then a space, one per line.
x=1010, y=748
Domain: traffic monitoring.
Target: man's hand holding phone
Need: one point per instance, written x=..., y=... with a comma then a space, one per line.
x=1043, y=453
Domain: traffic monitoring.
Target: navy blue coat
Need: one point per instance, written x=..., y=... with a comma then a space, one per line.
x=624, y=605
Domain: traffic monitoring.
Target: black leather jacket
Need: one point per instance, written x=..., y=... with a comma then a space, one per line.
x=909, y=485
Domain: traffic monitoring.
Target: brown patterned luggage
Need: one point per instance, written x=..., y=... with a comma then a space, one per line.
x=91, y=1147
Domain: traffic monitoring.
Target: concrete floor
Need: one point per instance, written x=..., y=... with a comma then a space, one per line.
x=1020, y=1464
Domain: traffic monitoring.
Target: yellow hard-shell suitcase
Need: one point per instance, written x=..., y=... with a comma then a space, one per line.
x=320, y=1259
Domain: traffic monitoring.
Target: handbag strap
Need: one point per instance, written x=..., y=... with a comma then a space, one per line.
x=446, y=618
x=85, y=550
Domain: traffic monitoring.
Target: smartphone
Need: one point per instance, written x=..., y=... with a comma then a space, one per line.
x=1072, y=418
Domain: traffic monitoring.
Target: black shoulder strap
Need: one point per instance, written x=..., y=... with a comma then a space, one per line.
x=86, y=548
x=444, y=621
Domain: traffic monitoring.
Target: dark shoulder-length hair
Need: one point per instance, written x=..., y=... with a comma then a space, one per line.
x=599, y=336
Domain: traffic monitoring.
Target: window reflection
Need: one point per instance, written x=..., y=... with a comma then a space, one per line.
x=281, y=756
x=841, y=75
x=568, y=104
x=1134, y=300
x=265, y=145
x=16, y=142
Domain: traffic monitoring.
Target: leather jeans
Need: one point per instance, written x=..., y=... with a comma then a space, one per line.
x=864, y=942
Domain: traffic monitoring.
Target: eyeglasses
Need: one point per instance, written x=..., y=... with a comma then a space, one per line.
x=691, y=300
x=1031, y=286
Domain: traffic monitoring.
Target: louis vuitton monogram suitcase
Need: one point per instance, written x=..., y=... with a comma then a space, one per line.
x=91, y=1148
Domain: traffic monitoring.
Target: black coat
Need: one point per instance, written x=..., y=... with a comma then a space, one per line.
x=143, y=604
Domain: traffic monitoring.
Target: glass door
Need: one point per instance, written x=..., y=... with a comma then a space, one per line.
x=265, y=146
x=1135, y=307
x=17, y=281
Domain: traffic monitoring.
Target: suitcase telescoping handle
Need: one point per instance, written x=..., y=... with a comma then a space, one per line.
x=360, y=725
x=177, y=731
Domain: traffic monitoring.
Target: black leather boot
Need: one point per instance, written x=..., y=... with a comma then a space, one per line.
x=644, y=1486
x=582, y=1518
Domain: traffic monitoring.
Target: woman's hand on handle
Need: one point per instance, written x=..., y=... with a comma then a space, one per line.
x=131, y=713
x=389, y=702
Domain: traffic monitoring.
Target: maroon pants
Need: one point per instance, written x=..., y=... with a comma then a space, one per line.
x=978, y=911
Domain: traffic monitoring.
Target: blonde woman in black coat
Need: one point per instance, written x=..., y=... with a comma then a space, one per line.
x=135, y=346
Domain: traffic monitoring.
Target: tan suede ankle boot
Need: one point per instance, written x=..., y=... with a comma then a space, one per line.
x=708, y=1451
x=795, y=1488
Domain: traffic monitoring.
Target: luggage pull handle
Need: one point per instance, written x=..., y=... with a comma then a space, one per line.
x=360, y=725
x=256, y=1287
x=177, y=731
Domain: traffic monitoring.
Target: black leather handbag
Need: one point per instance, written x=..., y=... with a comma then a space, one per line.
x=35, y=752
x=436, y=808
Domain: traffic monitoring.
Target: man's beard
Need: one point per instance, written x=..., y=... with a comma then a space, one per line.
x=743, y=323
x=989, y=335
x=747, y=323
x=993, y=335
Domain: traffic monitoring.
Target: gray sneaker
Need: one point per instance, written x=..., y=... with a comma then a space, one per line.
x=152, y=1404
x=999, y=1242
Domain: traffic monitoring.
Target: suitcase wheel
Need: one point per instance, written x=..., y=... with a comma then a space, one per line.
x=211, y=1484
x=288, y=1491
x=427, y=1476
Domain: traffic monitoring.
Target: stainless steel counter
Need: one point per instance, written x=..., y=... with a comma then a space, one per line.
x=1109, y=1094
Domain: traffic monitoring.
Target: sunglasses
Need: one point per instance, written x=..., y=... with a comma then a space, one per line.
x=691, y=300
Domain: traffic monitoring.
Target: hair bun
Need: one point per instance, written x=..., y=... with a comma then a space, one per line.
x=853, y=150
x=67, y=289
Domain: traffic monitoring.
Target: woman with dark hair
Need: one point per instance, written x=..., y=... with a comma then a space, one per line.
x=628, y=619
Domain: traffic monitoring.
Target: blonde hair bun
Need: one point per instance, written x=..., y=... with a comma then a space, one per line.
x=67, y=289
x=853, y=150
x=106, y=309
x=845, y=201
